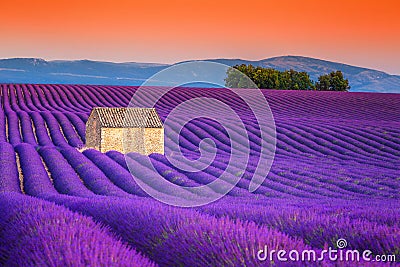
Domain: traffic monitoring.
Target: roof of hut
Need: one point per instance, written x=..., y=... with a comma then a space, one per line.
x=128, y=117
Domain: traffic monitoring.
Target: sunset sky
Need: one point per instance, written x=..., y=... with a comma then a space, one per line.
x=357, y=32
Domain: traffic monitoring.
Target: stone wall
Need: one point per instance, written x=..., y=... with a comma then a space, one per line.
x=93, y=132
x=142, y=140
x=111, y=139
x=154, y=140
x=133, y=140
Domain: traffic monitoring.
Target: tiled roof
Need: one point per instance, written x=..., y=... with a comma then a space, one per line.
x=128, y=117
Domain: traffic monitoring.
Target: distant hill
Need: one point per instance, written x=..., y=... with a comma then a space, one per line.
x=33, y=70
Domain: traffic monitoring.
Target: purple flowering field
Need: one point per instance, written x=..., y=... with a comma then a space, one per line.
x=335, y=175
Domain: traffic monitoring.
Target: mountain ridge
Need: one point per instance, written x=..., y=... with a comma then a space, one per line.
x=37, y=70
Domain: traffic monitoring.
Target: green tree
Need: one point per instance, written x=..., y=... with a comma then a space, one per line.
x=240, y=76
x=294, y=80
x=245, y=76
x=333, y=81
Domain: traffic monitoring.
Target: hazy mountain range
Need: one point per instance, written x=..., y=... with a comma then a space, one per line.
x=34, y=70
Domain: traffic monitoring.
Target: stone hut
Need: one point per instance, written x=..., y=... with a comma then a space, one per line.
x=125, y=130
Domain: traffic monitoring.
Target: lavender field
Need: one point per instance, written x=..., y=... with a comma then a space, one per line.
x=335, y=175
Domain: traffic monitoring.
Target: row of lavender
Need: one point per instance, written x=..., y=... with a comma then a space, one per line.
x=62, y=166
x=21, y=123
x=179, y=236
x=312, y=163
x=315, y=141
x=64, y=113
x=185, y=237
x=366, y=225
x=35, y=232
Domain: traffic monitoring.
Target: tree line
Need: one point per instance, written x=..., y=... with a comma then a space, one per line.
x=268, y=78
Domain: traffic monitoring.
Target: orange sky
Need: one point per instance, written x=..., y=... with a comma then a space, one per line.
x=365, y=33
